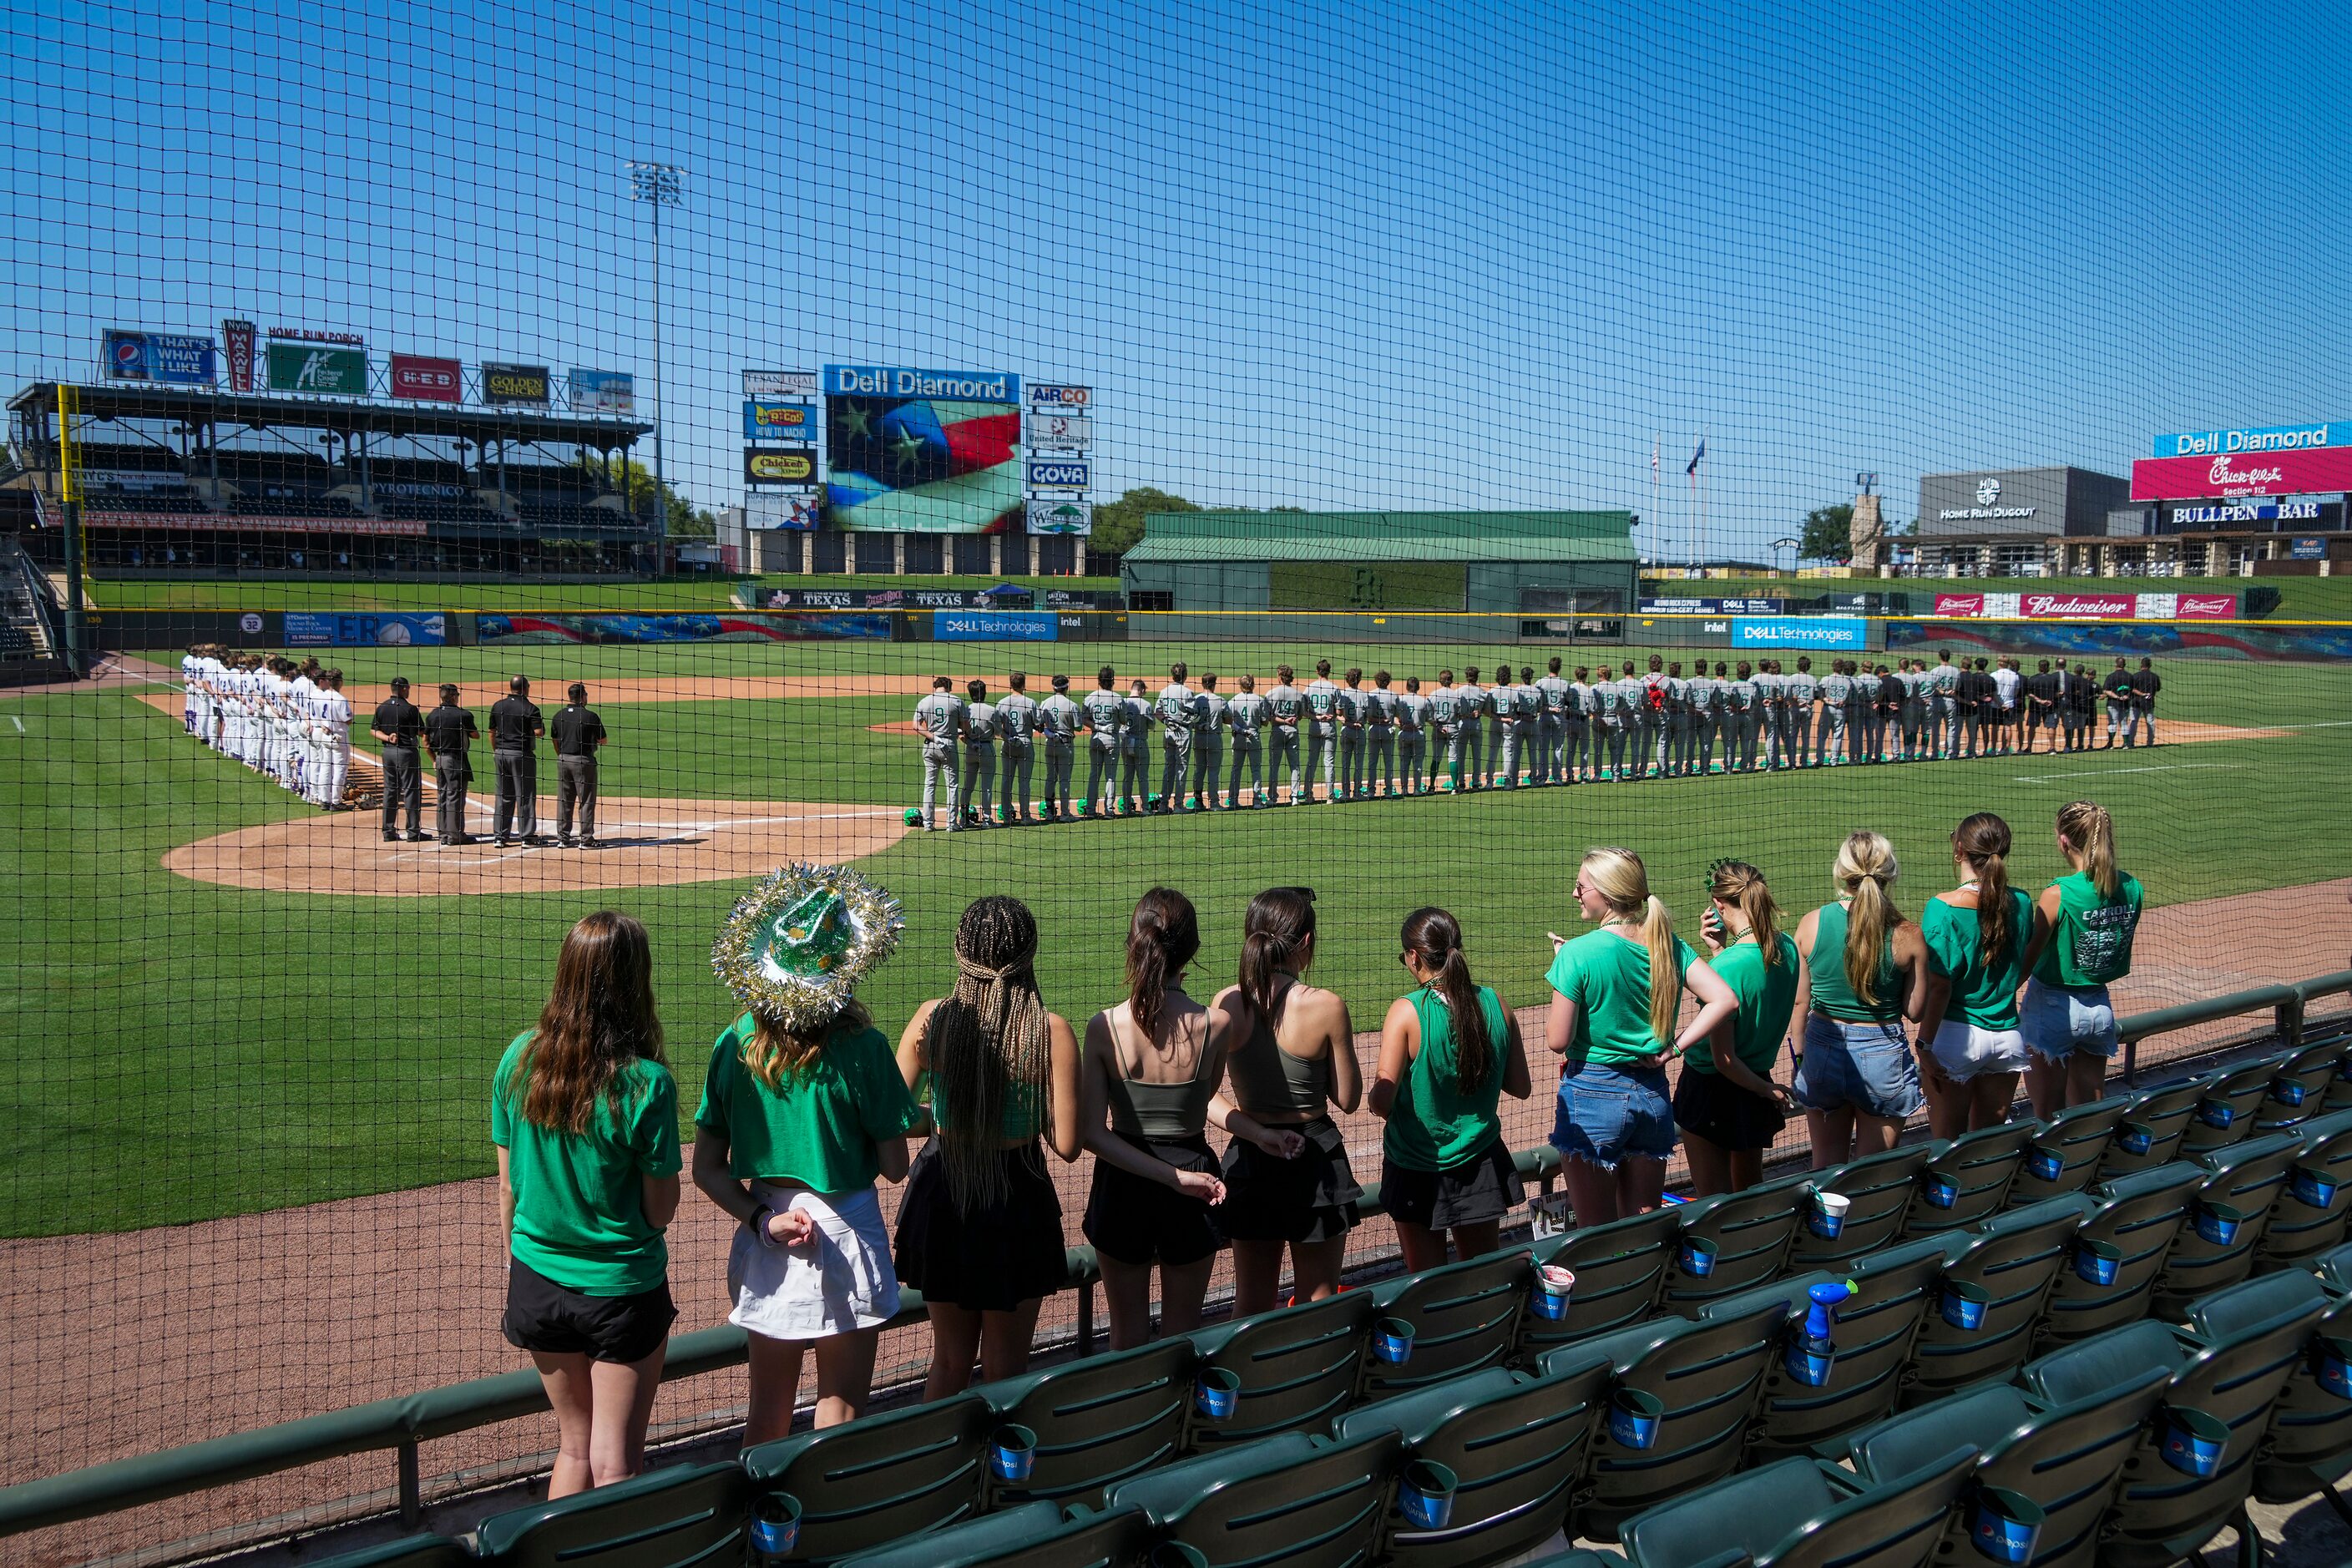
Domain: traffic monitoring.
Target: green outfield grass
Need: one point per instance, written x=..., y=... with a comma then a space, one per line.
x=496, y=594
x=253, y=1049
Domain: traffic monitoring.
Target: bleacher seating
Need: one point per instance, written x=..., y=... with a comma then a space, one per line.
x=160, y=500
x=292, y=506
x=2143, y=1372
x=459, y=514
x=568, y=514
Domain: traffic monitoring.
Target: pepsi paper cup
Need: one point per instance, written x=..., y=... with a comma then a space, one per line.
x=1552, y=1287
x=1216, y=1394
x=2194, y=1442
x=1809, y=1359
x=1425, y=1495
x=1941, y=1192
x=2045, y=1164
x=775, y=1526
x=1829, y=1213
x=1698, y=1256
x=2314, y=1187
x=1014, y=1454
x=2216, y=1113
x=2331, y=1366
x=2005, y=1526
x=1634, y=1418
x=1392, y=1340
x=1965, y=1305
x=2219, y=1223
x=2134, y=1139
x=2287, y=1091
x=2097, y=1262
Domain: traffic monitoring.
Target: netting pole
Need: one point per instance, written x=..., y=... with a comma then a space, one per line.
x=69, y=509
x=411, y=1488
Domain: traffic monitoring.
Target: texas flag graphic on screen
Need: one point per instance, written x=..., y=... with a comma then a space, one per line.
x=921, y=463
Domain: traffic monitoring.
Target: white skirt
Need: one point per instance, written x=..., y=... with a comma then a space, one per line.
x=838, y=1280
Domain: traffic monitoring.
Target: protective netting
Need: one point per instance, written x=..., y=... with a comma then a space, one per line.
x=753, y=369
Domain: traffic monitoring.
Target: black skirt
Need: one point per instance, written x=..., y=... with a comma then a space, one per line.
x=1134, y=1220
x=1486, y=1187
x=1311, y=1199
x=1708, y=1105
x=989, y=1258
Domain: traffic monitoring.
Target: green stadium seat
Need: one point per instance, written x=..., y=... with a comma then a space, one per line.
x=2164, y=1112
x=2069, y=1459
x=2333, y=1268
x=1099, y=1420
x=2138, y=1215
x=1589, y=1558
x=1620, y=1267
x=2014, y=1258
x=1706, y=1377
x=1298, y=1366
x=2309, y=1446
x=874, y=1480
x=2246, y=1177
x=2310, y=1217
x=2338, y=1094
x=2298, y=1091
x=2161, y=1514
x=1518, y=1443
x=1289, y=1502
x=1033, y=1535
x=1882, y=1187
x=1978, y=1166
x=1465, y=1316
x=671, y=1517
x=1873, y=1331
x=2078, y=1138
x=409, y=1551
x=2227, y=1107
x=1800, y=1513
x=1751, y=1233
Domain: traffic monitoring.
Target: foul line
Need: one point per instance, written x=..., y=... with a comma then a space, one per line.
x=2103, y=773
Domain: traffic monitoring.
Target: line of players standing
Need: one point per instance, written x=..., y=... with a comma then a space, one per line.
x=288, y=721
x=1380, y=741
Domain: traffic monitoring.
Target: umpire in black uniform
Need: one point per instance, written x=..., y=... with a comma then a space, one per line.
x=515, y=728
x=397, y=725
x=449, y=730
x=578, y=732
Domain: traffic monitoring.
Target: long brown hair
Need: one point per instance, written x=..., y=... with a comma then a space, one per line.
x=1737, y=883
x=772, y=1053
x=1865, y=869
x=1623, y=884
x=1280, y=923
x=1435, y=937
x=1982, y=841
x=987, y=1045
x=1162, y=936
x=598, y=1019
x=2086, y=826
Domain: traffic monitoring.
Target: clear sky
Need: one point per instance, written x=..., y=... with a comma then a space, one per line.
x=1346, y=255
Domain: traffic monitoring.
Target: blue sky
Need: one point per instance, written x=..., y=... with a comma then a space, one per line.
x=1340, y=255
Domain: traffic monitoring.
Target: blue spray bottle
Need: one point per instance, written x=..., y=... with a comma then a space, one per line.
x=1813, y=1351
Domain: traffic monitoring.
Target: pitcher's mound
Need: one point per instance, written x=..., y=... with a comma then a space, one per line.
x=646, y=842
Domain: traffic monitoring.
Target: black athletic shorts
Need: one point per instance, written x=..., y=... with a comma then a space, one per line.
x=546, y=1317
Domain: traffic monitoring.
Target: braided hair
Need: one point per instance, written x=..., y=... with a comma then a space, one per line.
x=987, y=1047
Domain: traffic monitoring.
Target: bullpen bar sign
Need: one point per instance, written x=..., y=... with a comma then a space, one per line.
x=427, y=379
x=2307, y=472
x=779, y=464
x=518, y=385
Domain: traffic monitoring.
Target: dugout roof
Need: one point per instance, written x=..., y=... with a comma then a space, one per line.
x=37, y=405
x=1501, y=536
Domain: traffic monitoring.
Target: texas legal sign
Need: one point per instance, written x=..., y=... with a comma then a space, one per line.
x=2308, y=471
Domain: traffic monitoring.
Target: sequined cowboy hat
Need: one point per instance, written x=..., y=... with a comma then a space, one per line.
x=796, y=947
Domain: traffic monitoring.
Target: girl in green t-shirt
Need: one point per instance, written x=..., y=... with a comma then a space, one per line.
x=1616, y=991
x=584, y=1115
x=1726, y=1102
x=1969, y=1048
x=1449, y=1051
x=1863, y=971
x=2082, y=943
x=795, y=1126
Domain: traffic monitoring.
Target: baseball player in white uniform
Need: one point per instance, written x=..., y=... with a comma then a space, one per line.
x=1285, y=707
x=335, y=722
x=1134, y=748
x=980, y=756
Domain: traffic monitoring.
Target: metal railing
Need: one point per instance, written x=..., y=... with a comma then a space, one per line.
x=402, y=1425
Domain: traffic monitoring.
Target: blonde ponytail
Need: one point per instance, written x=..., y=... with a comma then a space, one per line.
x=1866, y=868
x=774, y=1053
x=1737, y=883
x=1624, y=883
x=2091, y=832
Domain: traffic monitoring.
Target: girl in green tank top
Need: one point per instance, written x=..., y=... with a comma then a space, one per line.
x=2082, y=942
x=1863, y=970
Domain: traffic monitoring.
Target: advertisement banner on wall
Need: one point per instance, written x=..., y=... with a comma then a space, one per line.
x=425, y=378
x=897, y=381
x=2309, y=472
x=305, y=628
x=1047, y=394
x=677, y=628
x=1072, y=518
x=778, y=419
x=2207, y=607
x=1059, y=473
x=1713, y=607
x=779, y=464
x=239, y=340
x=169, y=357
x=2307, y=549
x=995, y=625
x=2261, y=439
x=780, y=384
x=1061, y=432
x=787, y=509
x=516, y=385
x=603, y=392
x=2079, y=606
x=318, y=369
x=1833, y=632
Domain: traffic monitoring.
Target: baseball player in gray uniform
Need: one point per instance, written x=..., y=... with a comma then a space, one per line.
x=1323, y=731
x=1467, y=759
x=1016, y=730
x=1699, y=702
x=1445, y=732
x=1498, y=722
x=1551, y=728
x=940, y=719
x=1058, y=719
x=1380, y=737
x=1177, y=712
x=978, y=756
x=1285, y=707
x=1354, y=707
x=1837, y=688
x=1768, y=711
x=1135, y=748
x=1943, y=706
x=1609, y=720
x=1208, y=744
x=1246, y=716
x=1105, y=713
x=1580, y=759
x=1412, y=736
x=1679, y=725
x=1915, y=709
x=1802, y=690
x=1748, y=712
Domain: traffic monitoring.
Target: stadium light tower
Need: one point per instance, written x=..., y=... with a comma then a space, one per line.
x=658, y=186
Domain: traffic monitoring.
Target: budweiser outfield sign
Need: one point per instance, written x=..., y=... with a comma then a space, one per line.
x=2308, y=472
x=2079, y=606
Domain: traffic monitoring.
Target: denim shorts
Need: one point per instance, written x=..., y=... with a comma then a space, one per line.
x=2058, y=1023
x=1865, y=1066
x=1965, y=1051
x=1607, y=1114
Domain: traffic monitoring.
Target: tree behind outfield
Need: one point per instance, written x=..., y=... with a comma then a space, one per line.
x=1119, y=524
x=686, y=520
x=1828, y=533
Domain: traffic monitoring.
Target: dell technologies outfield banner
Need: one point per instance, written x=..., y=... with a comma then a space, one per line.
x=995, y=625
x=1835, y=633
x=2307, y=472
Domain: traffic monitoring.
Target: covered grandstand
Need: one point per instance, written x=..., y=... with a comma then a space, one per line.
x=174, y=479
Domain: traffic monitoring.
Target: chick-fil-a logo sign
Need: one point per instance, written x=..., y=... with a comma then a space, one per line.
x=2316, y=472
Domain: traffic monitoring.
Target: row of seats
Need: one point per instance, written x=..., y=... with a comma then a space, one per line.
x=291, y=505
x=2007, y=1297
x=171, y=502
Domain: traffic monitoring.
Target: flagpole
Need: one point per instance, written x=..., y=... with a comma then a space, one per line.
x=1702, y=499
